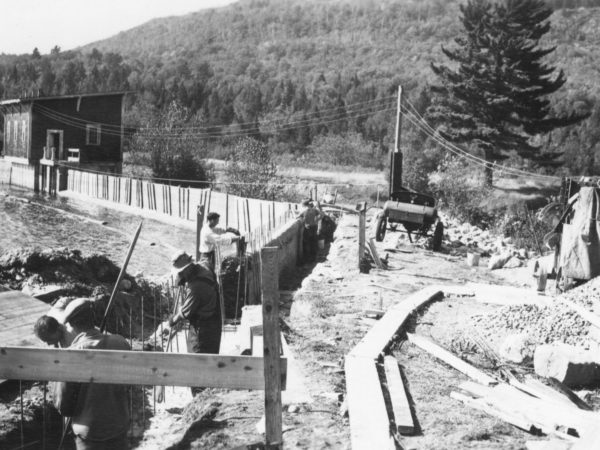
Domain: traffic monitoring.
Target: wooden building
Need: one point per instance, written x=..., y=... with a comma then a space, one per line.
x=81, y=131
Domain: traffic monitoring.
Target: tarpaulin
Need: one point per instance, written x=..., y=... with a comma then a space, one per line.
x=580, y=243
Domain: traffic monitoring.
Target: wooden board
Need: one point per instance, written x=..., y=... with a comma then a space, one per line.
x=379, y=337
x=138, y=368
x=18, y=314
x=444, y=355
x=369, y=422
x=400, y=405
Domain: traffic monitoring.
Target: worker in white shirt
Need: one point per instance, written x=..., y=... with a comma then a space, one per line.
x=211, y=236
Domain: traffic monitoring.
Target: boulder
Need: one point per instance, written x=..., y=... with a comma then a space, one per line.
x=516, y=348
x=573, y=366
x=513, y=263
x=498, y=261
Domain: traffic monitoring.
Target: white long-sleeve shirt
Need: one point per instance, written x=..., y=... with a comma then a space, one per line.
x=210, y=237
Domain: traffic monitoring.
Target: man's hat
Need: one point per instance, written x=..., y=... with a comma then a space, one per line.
x=180, y=261
x=306, y=202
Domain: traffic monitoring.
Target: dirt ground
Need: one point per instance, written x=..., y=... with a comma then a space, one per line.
x=323, y=315
x=323, y=318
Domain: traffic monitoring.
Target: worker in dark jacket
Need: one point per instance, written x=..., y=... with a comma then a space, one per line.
x=99, y=412
x=200, y=306
x=310, y=215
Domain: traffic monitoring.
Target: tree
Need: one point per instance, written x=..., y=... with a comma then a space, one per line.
x=170, y=148
x=251, y=171
x=496, y=99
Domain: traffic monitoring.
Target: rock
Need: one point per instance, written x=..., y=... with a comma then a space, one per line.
x=516, y=348
x=125, y=285
x=570, y=365
x=513, y=263
x=498, y=261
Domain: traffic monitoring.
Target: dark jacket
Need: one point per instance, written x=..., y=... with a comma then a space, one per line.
x=201, y=299
x=99, y=411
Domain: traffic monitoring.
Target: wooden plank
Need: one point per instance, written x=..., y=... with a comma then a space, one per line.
x=18, y=314
x=138, y=368
x=378, y=338
x=451, y=360
x=400, y=405
x=552, y=417
x=514, y=419
x=369, y=422
x=272, y=346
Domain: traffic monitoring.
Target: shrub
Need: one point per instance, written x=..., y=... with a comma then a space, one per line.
x=461, y=190
x=251, y=172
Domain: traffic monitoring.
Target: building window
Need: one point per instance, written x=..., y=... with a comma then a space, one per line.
x=8, y=126
x=24, y=131
x=92, y=134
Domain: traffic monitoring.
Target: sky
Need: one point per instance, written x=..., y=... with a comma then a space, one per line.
x=27, y=24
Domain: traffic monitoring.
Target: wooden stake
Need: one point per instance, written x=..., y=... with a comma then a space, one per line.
x=120, y=277
x=272, y=347
x=199, y=223
x=362, y=210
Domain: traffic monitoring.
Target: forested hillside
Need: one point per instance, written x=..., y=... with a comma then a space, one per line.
x=297, y=73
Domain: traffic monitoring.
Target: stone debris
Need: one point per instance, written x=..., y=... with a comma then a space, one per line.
x=545, y=324
x=570, y=365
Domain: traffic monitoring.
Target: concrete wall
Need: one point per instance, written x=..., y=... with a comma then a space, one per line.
x=289, y=241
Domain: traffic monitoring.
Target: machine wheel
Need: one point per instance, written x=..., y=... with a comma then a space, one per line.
x=380, y=228
x=438, y=235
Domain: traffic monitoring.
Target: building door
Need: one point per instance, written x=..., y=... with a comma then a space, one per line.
x=54, y=140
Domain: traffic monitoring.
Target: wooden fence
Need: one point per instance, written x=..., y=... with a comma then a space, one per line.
x=17, y=174
x=238, y=212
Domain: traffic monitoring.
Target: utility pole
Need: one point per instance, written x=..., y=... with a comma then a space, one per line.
x=396, y=155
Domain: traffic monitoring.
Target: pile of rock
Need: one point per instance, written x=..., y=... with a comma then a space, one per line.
x=547, y=324
x=463, y=238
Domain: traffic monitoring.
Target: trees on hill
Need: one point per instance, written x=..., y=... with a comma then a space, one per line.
x=495, y=96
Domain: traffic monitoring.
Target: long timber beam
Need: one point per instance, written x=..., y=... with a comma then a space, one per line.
x=134, y=367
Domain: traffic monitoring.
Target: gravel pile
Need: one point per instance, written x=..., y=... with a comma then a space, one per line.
x=547, y=324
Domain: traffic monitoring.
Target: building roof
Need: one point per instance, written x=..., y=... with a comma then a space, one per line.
x=16, y=101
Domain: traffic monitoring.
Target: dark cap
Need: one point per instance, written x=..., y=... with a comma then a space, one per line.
x=212, y=216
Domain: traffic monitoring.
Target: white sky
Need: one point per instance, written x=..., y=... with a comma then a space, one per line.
x=27, y=24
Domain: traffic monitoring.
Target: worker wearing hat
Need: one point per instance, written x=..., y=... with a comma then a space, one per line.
x=210, y=236
x=200, y=306
x=99, y=412
x=310, y=215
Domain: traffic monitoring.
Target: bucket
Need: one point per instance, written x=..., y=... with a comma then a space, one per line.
x=473, y=259
x=321, y=244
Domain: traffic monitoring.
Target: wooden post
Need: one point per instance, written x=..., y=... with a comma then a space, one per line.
x=272, y=347
x=199, y=223
x=226, y=209
x=362, y=213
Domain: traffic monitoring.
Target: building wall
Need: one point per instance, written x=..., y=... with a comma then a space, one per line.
x=64, y=114
x=17, y=132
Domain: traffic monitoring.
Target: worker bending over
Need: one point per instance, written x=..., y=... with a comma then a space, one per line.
x=99, y=412
x=200, y=306
x=210, y=236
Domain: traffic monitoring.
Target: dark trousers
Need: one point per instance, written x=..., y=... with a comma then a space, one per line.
x=117, y=443
x=310, y=243
x=204, y=336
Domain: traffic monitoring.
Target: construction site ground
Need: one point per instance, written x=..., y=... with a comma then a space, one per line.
x=324, y=307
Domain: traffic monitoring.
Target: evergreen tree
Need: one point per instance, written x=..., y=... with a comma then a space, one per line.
x=495, y=95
